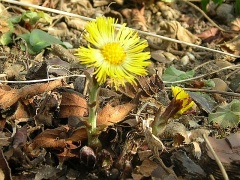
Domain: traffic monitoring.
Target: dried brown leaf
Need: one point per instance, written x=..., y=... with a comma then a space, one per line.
x=234, y=141
x=148, y=85
x=35, y=2
x=110, y=115
x=235, y=25
x=223, y=150
x=232, y=46
x=20, y=113
x=48, y=105
x=5, y=171
x=10, y=97
x=73, y=104
x=209, y=35
x=52, y=138
x=177, y=132
x=4, y=26
x=78, y=135
x=174, y=29
x=135, y=18
x=66, y=154
x=220, y=85
x=147, y=167
x=20, y=137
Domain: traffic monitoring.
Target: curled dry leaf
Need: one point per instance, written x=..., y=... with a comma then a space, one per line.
x=4, y=11
x=59, y=138
x=177, y=132
x=20, y=113
x=73, y=104
x=176, y=31
x=20, y=137
x=196, y=150
x=110, y=115
x=232, y=46
x=149, y=87
x=78, y=135
x=48, y=106
x=14, y=71
x=168, y=12
x=235, y=25
x=116, y=15
x=196, y=137
x=59, y=30
x=154, y=143
x=66, y=154
x=75, y=23
x=4, y=26
x=220, y=85
x=51, y=138
x=209, y=35
x=83, y=7
x=135, y=18
x=10, y=97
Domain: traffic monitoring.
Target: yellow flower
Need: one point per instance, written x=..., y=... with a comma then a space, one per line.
x=117, y=55
x=180, y=95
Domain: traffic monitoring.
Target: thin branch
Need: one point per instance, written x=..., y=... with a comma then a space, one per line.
x=209, y=91
x=203, y=75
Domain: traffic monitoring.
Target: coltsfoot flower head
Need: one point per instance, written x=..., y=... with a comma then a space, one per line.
x=179, y=104
x=180, y=95
x=115, y=54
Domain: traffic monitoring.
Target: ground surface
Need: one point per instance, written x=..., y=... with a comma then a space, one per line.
x=42, y=126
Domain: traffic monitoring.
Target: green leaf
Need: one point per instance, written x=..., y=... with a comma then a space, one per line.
x=172, y=74
x=46, y=17
x=40, y=40
x=237, y=7
x=235, y=107
x=29, y=47
x=6, y=38
x=224, y=119
x=30, y=16
x=218, y=1
x=37, y=40
x=15, y=19
x=209, y=83
x=227, y=115
x=204, y=4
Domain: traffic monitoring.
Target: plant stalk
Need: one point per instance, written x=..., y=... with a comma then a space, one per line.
x=92, y=120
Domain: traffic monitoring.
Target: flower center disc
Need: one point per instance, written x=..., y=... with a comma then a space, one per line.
x=113, y=53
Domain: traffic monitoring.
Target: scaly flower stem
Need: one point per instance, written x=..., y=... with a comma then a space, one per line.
x=92, y=120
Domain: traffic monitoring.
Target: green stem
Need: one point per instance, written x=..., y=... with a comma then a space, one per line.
x=159, y=123
x=92, y=120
